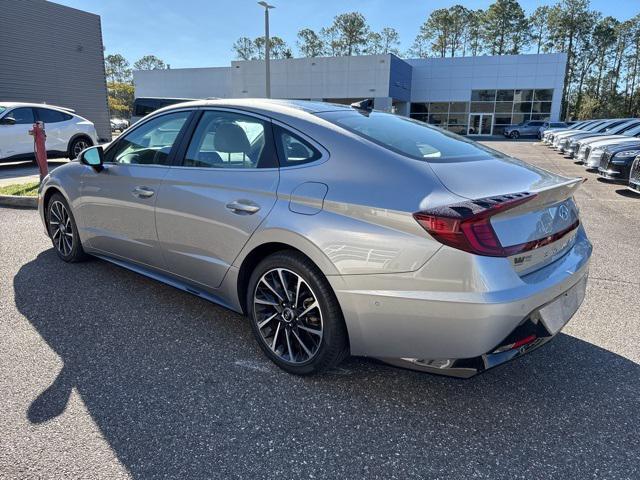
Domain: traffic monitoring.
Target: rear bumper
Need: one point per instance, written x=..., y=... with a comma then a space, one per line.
x=465, y=315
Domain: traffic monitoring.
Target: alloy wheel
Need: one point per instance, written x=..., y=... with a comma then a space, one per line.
x=288, y=315
x=79, y=146
x=61, y=228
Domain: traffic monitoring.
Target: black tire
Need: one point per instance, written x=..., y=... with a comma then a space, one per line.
x=515, y=134
x=333, y=346
x=53, y=214
x=77, y=145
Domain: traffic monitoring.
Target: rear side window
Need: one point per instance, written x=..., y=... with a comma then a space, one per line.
x=230, y=140
x=22, y=115
x=52, y=116
x=293, y=150
x=407, y=136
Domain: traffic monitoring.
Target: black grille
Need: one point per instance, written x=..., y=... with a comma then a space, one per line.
x=635, y=170
x=604, y=160
x=586, y=153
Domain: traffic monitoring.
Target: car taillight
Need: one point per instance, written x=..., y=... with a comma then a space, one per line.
x=467, y=225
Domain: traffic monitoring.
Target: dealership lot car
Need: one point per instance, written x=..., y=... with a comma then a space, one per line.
x=529, y=128
x=67, y=133
x=335, y=229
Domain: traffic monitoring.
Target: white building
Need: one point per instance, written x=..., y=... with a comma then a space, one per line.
x=475, y=95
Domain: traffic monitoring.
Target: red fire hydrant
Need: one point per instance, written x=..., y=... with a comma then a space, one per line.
x=39, y=137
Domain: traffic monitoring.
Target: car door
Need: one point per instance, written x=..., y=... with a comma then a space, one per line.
x=116, y=204
x=15, y=139
x=56, y=126
x=213, y=200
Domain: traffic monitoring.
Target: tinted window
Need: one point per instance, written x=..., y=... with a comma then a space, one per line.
x=293, y=150
x=483, y=95
x=407, y=137
x=149, y=144
x=22, y=115
x=230, y=140
x=2, y=109
x=536, y=124
x=145, y=106
x=50, y=116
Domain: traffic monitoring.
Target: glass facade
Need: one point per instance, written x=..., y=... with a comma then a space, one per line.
x=507, y=107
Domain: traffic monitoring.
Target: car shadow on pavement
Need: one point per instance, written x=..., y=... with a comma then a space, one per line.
x=179, y=388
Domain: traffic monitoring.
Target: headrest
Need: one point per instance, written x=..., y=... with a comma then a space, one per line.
x=231, y=138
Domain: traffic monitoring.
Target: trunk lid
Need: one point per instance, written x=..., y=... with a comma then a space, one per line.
x=548, y=222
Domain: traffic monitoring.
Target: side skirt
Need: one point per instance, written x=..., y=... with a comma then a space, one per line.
x=168, y=280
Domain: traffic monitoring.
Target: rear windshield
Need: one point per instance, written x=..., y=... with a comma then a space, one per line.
x=407, y=136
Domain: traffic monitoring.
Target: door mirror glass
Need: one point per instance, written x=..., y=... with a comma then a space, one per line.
x=92, y=156
x=8, y=121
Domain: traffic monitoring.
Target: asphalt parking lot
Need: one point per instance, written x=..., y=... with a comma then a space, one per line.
x=106, y=374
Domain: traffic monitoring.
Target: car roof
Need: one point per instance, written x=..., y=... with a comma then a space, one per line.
x=267, y=107
x=36, y=105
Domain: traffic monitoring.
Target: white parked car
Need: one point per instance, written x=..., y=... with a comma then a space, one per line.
x=67, y=133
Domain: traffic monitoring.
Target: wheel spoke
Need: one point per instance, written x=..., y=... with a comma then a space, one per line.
x=275, y=337
x=304, y=347
x=295, y=301
x=284, y=284
x=267, y=320
x=313, y=305
x=286, y=332
x=57, y=232
x=310, y=330
x=264, y=280
x=266, y=302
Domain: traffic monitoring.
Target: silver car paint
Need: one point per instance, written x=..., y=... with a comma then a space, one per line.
x=402, y=293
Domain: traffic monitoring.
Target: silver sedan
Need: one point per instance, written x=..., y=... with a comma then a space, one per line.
x=337, y=230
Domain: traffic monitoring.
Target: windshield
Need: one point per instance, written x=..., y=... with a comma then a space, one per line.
x=407, y=136
x=632, y=132
x=2, y=109
x=623, y=127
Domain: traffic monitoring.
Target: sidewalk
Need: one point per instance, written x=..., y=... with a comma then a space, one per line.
x=23, y=172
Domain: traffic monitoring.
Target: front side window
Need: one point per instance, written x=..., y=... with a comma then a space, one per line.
x=407, y=137
x=230, y=140
x=293, y=150
x=150, y=143
x=23, y=116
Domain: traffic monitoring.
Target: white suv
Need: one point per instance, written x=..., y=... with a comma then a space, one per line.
x=67, y=133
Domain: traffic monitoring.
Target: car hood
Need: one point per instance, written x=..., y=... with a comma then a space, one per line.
x=622, y=139
x=494, y=175
x=600, y=138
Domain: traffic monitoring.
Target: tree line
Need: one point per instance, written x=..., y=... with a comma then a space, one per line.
x=602, y=77
x=118, y=74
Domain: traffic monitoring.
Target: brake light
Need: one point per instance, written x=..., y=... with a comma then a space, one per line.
x=467, y=225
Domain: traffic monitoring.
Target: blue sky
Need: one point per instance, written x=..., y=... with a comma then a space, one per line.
x=199, y=33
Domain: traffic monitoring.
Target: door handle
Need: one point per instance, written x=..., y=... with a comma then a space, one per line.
x=243, y=206
x=142, y=192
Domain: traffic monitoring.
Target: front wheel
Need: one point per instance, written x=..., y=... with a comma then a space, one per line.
x=515, y=134
x=63, y=230
x=295, y=315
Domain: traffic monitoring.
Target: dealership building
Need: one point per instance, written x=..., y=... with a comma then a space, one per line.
x=468, y=95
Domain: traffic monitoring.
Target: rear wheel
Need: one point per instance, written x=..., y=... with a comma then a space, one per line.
x=63, y=230
x=295, y=315
x=78, y=145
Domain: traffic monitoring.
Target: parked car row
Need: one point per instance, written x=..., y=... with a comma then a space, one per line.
x=533, y=128
x=609, y=146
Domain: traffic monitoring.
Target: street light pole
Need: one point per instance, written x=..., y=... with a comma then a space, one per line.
x=267, y=48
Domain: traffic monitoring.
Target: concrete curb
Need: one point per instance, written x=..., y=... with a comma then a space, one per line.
x=15, y=201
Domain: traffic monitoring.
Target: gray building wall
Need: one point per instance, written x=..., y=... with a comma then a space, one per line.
x=54, y=54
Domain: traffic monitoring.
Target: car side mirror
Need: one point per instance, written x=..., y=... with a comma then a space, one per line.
x=8, y=121
x=93, y=157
